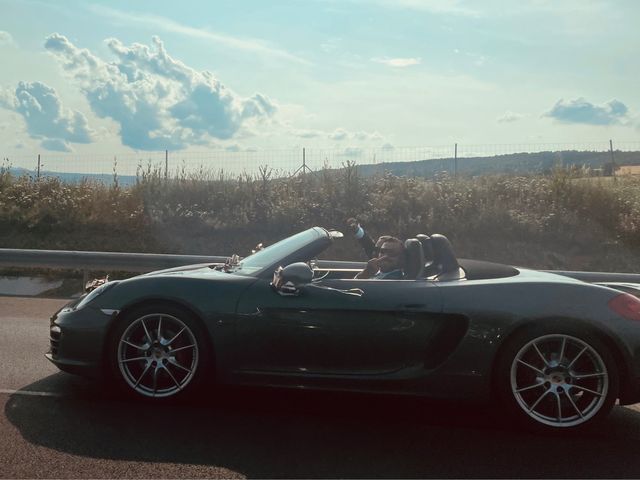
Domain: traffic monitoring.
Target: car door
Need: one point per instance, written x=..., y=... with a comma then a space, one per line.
x=327, y=330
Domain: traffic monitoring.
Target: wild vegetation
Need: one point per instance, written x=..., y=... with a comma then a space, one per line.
x=554, y=221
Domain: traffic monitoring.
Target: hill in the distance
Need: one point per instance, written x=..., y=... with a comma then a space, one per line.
x=515, y=164
x=72, y=177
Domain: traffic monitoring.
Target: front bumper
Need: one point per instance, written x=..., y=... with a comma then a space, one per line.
x=77, y=340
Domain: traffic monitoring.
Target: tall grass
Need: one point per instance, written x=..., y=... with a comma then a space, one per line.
x=554, y=221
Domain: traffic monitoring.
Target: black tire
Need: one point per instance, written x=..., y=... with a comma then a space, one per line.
x=548, y=387
x=159, y=352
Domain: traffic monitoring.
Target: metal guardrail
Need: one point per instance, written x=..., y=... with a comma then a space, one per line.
x=103, y=261
x=116, y=261
x=147, y=262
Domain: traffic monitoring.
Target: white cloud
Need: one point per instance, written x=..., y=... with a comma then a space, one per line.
x=509, y=117
x=158, y=101
x=352, y=152
x=397, y=62
x=6, y=38
x=582, y=111
x=340, y=134
x=562, y=8
x=366, y=136
x=302, y=133
x=492, y=8
x=446, y=7
x=46, y=118
x=451, y=7
x=8, y=99
x=55, y=144
x=156, y=23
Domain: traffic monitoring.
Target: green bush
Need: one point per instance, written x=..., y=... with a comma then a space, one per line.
x=562, y=220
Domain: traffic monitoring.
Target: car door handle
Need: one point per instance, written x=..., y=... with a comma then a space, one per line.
x=414, y=306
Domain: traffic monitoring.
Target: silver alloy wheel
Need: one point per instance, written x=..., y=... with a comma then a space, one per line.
x=559, y=380
x=158, y=355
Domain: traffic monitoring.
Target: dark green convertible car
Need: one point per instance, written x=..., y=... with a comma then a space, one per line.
x=555, y=352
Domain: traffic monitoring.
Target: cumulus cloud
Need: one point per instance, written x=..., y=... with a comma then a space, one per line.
x=365, y=136
x=238, y=148
x=55, y=144
x=338, y=135
x=158, y=101
x=45, y=117
x=341, y=134
x=352, y=152
x=509, y=117
x=397, y=62
x=582, y=111
x=7, y=99
x=6, y=38
x=302, y=133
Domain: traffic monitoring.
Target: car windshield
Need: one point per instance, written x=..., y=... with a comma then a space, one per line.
x=277, y=252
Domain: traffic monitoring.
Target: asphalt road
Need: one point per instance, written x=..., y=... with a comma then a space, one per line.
x=56, y=425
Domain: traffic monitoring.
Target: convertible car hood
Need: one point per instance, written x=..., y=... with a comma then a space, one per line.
x=199, y=268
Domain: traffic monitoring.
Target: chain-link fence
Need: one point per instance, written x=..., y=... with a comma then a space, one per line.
x=422, y=161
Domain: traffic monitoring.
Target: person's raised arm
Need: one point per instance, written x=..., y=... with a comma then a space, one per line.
x=362, y=236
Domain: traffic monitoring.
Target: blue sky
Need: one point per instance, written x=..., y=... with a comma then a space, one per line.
x=99, y=77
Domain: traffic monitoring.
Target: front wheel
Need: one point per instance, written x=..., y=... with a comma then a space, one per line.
x=557, y=379
x=158, y=352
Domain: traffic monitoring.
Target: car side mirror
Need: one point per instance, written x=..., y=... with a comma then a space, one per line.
x=289, y=280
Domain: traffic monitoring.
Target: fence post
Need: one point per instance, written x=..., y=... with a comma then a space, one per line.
x=38, y=174
x=166, y=164
x=455, y=161
x=302, y=167
x=613, y=163
x=304, y=160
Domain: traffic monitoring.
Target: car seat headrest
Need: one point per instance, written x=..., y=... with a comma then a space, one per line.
x=443, y=254
x=427, y=246
x=414, y=259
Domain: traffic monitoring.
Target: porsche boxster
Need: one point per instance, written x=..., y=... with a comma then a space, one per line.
x=553, y=351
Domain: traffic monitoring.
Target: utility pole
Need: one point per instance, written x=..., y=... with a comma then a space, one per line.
x=613, y=163
x=38, y=175
x=455, y=161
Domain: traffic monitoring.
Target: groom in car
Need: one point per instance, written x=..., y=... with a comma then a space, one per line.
x=386, y=256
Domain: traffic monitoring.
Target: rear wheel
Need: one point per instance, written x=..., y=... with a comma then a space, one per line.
x=159, y=351
x=557, y=379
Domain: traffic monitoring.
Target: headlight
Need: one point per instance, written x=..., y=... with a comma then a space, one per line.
x=93, y=294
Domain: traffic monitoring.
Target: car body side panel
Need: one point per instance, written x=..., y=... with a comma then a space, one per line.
x=387, y=340
x=498, y=307
x=211, y=295
x=327, y=329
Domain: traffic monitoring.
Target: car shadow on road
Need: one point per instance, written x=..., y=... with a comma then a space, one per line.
x=282, y=433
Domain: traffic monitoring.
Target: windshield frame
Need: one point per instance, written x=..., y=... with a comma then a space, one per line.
x=318, y=241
